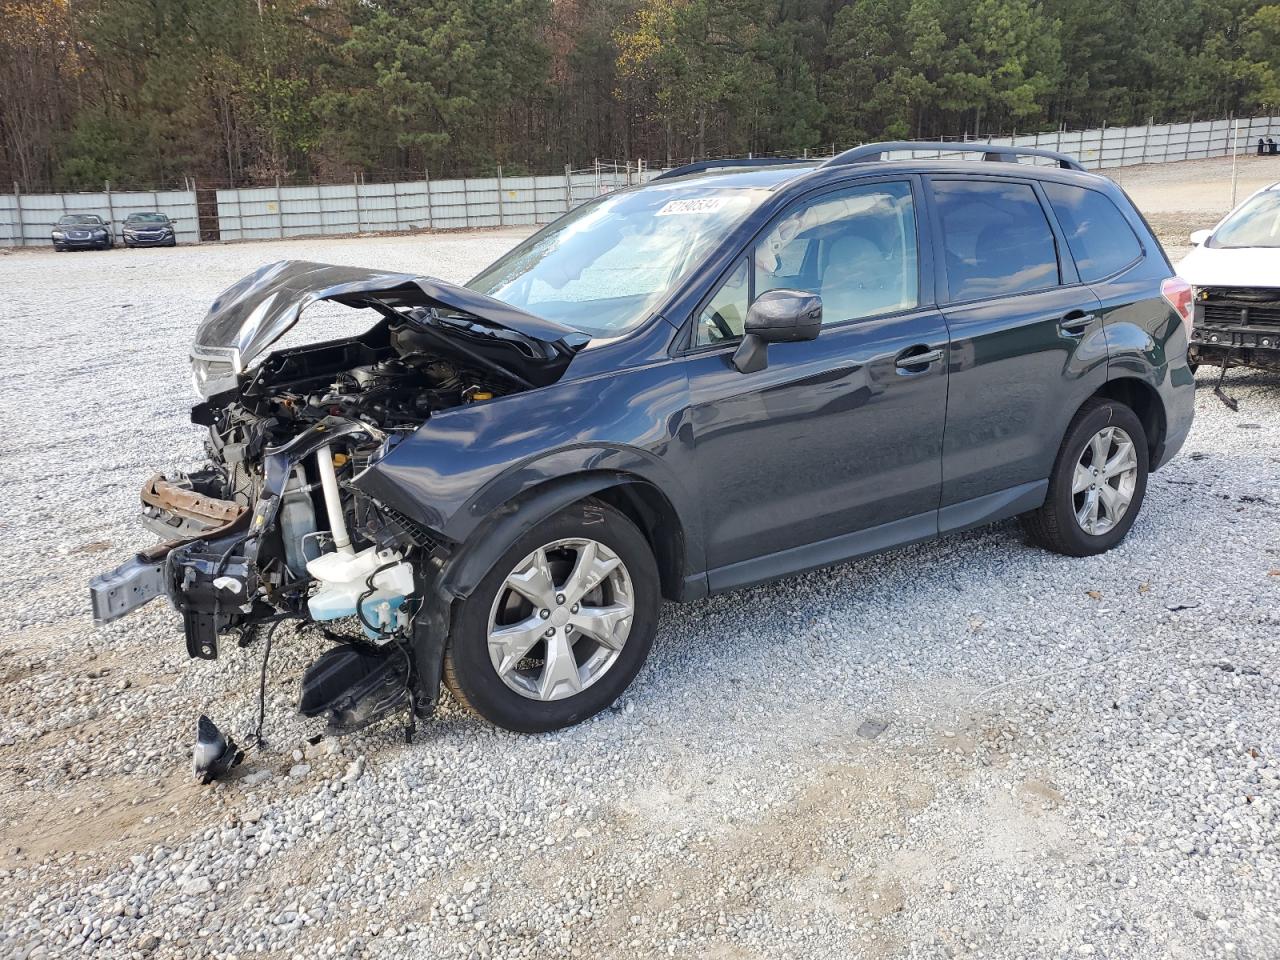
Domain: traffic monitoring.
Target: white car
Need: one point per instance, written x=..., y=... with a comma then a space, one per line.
x=1234, y=271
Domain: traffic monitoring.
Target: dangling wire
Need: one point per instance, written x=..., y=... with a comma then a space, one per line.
x=385, y=635
x=408, y=693
x=377, y=629
x=262, y=682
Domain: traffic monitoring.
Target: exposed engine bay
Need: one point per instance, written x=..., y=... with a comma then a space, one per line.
x=275, y=527
x=332, y=552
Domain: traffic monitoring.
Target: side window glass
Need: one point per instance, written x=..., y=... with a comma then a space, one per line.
x=722, y=318
x=855, y=248
x=996, y=239
x=1099, y=236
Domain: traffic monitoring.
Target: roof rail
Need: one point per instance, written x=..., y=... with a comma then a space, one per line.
x=871, y=152
x=740, y=162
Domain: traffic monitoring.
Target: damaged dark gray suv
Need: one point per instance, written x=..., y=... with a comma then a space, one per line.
x=738, y=371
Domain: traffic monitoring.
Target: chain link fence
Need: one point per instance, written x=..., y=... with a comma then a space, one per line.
x=275, y=212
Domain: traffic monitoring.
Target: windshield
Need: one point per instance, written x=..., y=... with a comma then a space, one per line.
x=604, y=267
x=147, y=218
x=80, y=218
x=1255, y=224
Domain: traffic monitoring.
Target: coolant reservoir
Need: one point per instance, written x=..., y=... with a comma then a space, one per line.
x=344, y=578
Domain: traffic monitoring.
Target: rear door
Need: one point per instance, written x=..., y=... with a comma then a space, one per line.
x=1026, y=343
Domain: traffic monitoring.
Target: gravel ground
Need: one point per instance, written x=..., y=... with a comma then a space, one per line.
x=965, y=748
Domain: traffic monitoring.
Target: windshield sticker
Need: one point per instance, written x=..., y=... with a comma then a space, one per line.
x=695, y=205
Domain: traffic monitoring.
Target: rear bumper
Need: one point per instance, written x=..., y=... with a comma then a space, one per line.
x=1179, y=428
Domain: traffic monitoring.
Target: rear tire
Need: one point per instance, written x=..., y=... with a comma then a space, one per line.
x=504, y=665
x=1098, y=482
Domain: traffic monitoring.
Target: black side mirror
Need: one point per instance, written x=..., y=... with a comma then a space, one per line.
x=777, y=316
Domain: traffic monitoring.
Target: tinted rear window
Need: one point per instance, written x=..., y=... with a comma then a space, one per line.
x=1099, y=236
x=996, y=239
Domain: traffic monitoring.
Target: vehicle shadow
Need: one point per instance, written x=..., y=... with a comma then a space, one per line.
x=849, y=632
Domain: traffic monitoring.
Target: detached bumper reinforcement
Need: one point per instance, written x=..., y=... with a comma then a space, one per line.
x=127, y=587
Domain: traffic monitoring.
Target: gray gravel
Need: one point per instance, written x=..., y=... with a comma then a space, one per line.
x=965, y=748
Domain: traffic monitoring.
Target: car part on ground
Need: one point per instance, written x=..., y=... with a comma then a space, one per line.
x=475, y=491
x=215, y=753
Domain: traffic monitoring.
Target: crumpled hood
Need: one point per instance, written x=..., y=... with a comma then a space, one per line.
x=1231, y=267
x=253, y=313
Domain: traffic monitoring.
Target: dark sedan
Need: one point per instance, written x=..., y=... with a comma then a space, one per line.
x=82, y=231
x=149, y=230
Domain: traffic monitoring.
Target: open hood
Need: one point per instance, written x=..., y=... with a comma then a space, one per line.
x=253, y=313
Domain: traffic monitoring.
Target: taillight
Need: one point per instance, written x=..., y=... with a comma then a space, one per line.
x=1177, y=293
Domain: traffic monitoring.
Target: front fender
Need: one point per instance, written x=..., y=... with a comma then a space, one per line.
x=465, y=464
x=506, y=522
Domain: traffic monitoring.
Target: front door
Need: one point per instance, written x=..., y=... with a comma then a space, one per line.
x=835, y=447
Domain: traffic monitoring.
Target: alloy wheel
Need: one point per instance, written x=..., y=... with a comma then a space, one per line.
x=560, y=619
x=1104, y=480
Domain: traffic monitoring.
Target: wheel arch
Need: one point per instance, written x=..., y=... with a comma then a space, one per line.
x=633, y=496
x=1144, y=400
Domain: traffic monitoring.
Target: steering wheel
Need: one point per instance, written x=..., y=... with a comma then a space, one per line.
x=722, y=326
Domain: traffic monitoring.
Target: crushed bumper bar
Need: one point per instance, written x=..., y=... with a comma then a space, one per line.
x=178, y=507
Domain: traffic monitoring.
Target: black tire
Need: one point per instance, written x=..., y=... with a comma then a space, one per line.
x=468, y=670
x=1054, y=525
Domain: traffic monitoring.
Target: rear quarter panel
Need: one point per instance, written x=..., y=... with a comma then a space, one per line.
x=1146, y=339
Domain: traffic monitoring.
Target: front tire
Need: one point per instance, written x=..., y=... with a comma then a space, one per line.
x=1098, y=482
x=560, y=626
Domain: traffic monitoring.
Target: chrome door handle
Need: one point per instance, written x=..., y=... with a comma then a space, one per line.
x=1076, y=322
x=910, y=361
